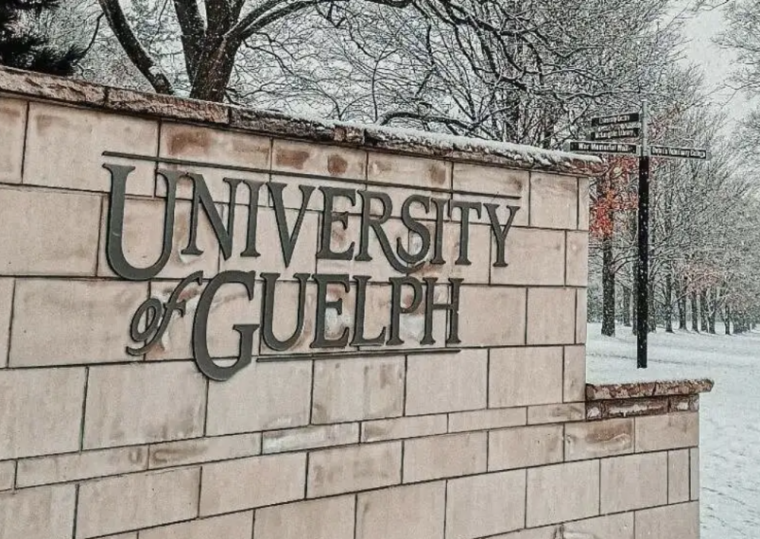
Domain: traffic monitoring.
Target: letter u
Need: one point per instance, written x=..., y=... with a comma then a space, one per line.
x=115, y=229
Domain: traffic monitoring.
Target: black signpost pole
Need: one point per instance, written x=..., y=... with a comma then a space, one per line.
x=642, y=297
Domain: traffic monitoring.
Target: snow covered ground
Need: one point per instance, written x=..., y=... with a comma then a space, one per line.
x=729, y=420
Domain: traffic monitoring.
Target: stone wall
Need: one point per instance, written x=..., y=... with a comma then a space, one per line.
x=455, y=431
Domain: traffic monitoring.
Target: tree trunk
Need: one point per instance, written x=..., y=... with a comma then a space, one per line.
x=214, y=71
x=608, y=289
x=713, y=307
x=727, y=319
x=669, y=302
x=652, y=302
x=682, y=309
x=694, y=313
x=627, y=307
x=703, y=310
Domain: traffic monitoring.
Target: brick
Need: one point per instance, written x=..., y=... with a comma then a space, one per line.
x=142, y=239
x=694, y=473
x=64, y=148
x=242, y=484
x=38, y=513
x=137, y=404
x=671, y=431
x=487, y=419
x=135, y=501
x=634, y=482
x=608, y=527
x=575, y=374
x=54, y=397
x=485, y=505
x=7, y=474
x=78, y=466
x=583, y=203
x=680, y=521
x=6, y=303
x=523, y=447
x=416, y=511
x=490, y=180
x=310, y=437
x=332, y=518
x=403, y=427
x=359, y=388
x=553, y=201
x=13, y=122
x=121, y=536
x=271, y=260
x=556, y=413
x=234, y=526
x=217, y=146
x=83, y=321
x=61, y=232
x=577, y=259
x=444, y=456
x=349, y=469
x=464, y=377
x=555, y=329
x=46, y=86
x=678, y=476
x=479, y=327
x=581, y=316
x=598, y=439
x=525, y=376
x=262, y=396
x=562, y=492
x=534, y=257
x=408, y=171
x=330, y=161
x=204, y=450
x=165, y=106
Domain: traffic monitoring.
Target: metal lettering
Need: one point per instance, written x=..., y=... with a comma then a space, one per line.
x=115, y=230
x=202, y=199
x=376, y=224
x=323, y=281
x=464, y=228
x=452, y=308
x=397, y=310
x=157, y=316
x=200, y=327
x=253, y=217
x=499, y=233
x=267, y=309
x=329, y=217
x=440, y=204
x=288, y=239
x=416, y=227
x=359, y=315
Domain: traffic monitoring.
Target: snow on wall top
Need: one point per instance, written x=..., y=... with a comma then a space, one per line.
x=406, y=141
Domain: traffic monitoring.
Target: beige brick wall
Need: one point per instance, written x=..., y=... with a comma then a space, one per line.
x=489, y=441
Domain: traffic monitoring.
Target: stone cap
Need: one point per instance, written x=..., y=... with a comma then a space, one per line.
x=635, y=390
x=406, y=141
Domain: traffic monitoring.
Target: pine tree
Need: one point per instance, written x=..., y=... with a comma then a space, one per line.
x=23, y=47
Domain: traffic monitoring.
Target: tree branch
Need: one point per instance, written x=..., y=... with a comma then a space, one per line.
x=134, y=49
x=193, y=31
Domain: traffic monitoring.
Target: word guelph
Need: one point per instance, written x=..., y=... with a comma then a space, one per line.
x=152, y=318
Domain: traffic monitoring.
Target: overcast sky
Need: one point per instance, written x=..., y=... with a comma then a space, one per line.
x=715, y=62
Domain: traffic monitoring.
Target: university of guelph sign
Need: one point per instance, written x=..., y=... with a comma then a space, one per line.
x=153, y=317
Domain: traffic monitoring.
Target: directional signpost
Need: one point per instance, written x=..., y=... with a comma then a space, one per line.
x=616, y=127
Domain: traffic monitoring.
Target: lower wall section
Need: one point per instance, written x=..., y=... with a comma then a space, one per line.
x=623, y=478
